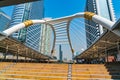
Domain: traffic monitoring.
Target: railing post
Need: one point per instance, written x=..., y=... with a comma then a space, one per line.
x=31, y=56
x=18, y=50
x=26, y=50
x=106, y=52
x=118, y=50
x=5, y=52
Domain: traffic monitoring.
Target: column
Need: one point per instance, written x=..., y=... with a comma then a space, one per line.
x=5, y=52
x=18, y=50
x=26, y=50
x=118, y=50
x=31, y=56
x=106, y=52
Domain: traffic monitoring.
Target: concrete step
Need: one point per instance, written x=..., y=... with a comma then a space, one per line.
x=34, y=77
x=35, y=73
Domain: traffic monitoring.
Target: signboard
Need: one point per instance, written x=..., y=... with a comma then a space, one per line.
x=110, y=59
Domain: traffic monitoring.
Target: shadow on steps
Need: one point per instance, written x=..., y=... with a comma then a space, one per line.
x=114, y=69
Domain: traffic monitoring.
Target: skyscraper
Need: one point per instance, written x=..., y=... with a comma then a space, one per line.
x=30, y=36
x=103, y=8
x=45, y=39
x=4, y=21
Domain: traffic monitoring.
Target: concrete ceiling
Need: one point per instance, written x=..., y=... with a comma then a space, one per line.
x=13, y=2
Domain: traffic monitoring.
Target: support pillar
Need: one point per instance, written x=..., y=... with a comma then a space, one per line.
x=93, y=57
x=31, y=60
x=26, y=50
x=118, y=50
x=17, y=54
x=31, y=57
x=5, y=53
x=25, y=58
x=106, y=52
x=48, y=60
x=98, y=56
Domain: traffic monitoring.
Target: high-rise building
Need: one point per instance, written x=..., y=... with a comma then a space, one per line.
x=4, y=21
x=31, y=36
x=45, y=39
x=103, y=8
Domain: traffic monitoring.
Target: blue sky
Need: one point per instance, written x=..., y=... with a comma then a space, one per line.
x=59, y=8
x=116, y=5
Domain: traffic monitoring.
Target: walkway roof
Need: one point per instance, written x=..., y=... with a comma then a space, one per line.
x=15, y=47
x=106, y=41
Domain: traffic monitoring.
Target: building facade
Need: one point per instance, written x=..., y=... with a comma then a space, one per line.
x=30, y=36
x=45, y=39
x=103, y=8
x=4, y=21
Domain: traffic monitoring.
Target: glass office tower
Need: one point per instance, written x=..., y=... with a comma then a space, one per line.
x=4, y=21
x=45, y=39
x=22, y=12
x=103, y=8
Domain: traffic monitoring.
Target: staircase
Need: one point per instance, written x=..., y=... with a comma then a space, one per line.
x=36, y=71
x=95, y=72
x=45, y=71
